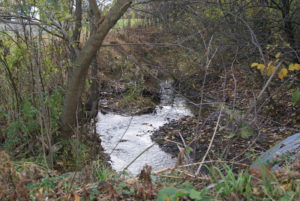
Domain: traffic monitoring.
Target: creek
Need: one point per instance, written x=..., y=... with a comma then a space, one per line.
x=124, y=137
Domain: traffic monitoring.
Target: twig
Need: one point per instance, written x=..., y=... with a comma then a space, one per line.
x=211, y=141
x=185, y=173
x=208, y=62
x=269, y=80
x=71, y=186
x=138, y=157
x=198, y=163
x=122, y=136
x=254, y=39
x=171, y=176
x=274, y=92
x=234, y=79
x=177, y=143
x=182, y=139
x=184, y=150
x=263, y=89
x=202, y=126
x=216, y=161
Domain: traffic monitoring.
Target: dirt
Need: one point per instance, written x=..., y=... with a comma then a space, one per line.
x=234, y=140
x=195, y=135
x=128, y=84
x=194, y=132
x=115, y=96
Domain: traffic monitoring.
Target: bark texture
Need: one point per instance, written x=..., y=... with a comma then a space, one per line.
x=83, y=61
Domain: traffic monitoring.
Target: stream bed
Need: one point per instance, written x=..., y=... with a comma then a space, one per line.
x=124, y=138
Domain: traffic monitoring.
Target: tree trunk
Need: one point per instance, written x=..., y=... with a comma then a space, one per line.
x=78, y=24
x=92, y=103
x=287, y=20
x=83, y=61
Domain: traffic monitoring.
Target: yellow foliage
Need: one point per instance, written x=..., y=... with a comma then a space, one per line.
x=278, y=54
x=293, y=67
x=271, y=67
x=270, y=63
x=271, y=47
x=254, y=64
x=282, y=73
x=261, y=67
x=270, y=70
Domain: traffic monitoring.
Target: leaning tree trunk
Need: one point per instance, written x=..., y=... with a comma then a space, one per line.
x=92, y=103
x=83, y=61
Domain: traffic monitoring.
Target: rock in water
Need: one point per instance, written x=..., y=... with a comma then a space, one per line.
x=287, y=150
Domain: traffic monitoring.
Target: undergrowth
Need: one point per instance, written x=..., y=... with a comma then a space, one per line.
x=226, y=184
x=32, y=180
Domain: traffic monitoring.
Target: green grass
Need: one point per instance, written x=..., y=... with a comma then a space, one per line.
x=229, y=185
x=244, y=186
x=101, y=172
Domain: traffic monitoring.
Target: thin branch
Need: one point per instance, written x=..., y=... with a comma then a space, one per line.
x=138, y=157
x=122, y=136
x=254, y=39
x=198, y=163
x=211, y=141
x=19, y=23
x=263, y=90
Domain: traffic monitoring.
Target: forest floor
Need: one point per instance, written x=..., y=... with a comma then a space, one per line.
x=235, y=143
x=234, y=140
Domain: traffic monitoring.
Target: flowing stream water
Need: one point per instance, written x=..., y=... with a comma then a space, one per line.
x=124, y=138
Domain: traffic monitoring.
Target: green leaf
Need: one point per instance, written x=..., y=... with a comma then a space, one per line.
x=295, y=97
x=246, y=132
x=167, y=194
x=187, y=186
x=122, y=184
x=231, y=135
x=196, y=195
x=188, y=150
